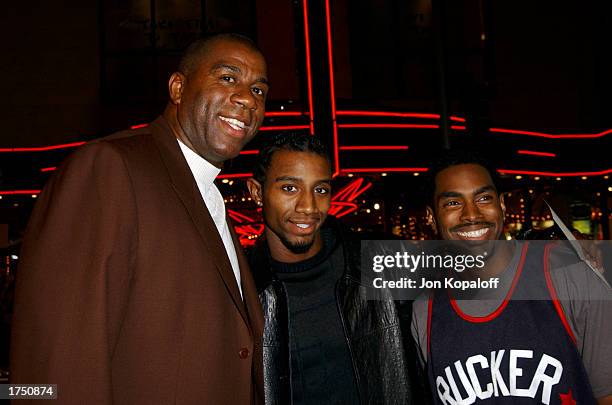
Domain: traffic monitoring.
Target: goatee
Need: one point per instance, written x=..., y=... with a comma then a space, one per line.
x=297, y=248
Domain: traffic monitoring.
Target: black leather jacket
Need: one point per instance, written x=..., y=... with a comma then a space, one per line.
x=377, y=333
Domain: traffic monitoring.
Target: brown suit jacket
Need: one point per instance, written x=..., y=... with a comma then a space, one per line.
x=125, y=294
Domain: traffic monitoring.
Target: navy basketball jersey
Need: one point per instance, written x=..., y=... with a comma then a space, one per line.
x=522, y=353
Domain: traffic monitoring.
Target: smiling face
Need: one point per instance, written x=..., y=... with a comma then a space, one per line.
x=216, y=109
x=467, y=205
x=296, y=196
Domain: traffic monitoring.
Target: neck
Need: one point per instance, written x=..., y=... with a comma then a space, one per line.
x=498, y=262
x=172, y=117
x=281, y=253
x=495, y=264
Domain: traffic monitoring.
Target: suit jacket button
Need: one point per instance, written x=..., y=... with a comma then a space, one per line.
x=243, y=353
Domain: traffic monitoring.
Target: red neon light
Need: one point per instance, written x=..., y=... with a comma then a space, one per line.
x=342, y=204
x=351, y=191
x=551, y=136
x=368, y=147
x=267, y=114
x=332, y=89
x=285, y=114
x=239, y=217
x=534, y=153
x=458, y=127
x=357, y=113
x=308, y=69
x=283, y=127
x=384, y=169
x=555, y=174
x=342, y=208
x=248, y=234
x=16, y=192
x=421, y=126
x=246, y=229
x=502, y=171
x=235, y=175
x=43, y=148
x=249, y=152
x=395, y=169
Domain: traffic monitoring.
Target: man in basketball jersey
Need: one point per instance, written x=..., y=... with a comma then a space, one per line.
x=505, y=350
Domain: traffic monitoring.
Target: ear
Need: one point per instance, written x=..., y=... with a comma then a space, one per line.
x=176, y=84
x=256, y=191
x=502, y=204
x=431, y=218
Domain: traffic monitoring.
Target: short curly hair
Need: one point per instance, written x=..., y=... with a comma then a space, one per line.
x=456, y=157
x=199, y=48
x=290, y=141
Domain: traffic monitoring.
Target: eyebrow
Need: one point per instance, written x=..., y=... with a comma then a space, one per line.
x=222, y=66
x=449, y=194
x=299, y=180
x=454, y=194
x=484, y=189
x=236, y=69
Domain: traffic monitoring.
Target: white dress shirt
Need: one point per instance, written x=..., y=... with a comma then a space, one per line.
x=205, y=173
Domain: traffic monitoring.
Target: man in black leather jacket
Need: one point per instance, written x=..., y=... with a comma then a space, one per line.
x=324, y=342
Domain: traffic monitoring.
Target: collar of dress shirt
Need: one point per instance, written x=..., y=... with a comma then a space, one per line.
x=203, y=171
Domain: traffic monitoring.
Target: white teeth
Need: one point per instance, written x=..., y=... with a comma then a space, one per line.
x=303, y=226
x=234, y=123
x=474, y=234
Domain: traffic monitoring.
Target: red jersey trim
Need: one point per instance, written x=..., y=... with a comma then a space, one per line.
x=502, y=306
x=553, y=294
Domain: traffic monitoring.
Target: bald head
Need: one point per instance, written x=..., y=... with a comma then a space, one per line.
x=199, y=49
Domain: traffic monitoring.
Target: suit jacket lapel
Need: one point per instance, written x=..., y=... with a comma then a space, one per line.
x=249, y=290
x=187, y=190
x=254, y=310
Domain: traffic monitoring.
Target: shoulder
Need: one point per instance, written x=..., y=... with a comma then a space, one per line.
x=135, y=151
x=572, y=277
x=420, y=309
x=344, y=237
x=103, y=166
x=420, y=315
x=128, y=143
x=133, y=142
x=259, y=263
x=118, y=146
x=560, y=253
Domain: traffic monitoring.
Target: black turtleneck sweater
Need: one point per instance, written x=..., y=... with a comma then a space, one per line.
x=321, y=367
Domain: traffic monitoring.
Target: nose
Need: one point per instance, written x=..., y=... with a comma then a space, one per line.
x=245, y=98
x=306, y=203
x=471, y=212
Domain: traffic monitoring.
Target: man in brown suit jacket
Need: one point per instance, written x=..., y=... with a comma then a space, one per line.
x=128, y=292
